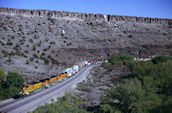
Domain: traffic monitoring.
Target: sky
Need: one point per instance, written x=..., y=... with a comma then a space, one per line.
x=141, y=8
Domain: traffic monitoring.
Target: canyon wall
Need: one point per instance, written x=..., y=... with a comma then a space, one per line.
x=58, y=14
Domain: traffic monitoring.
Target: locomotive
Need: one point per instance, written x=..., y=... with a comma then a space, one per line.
x=31, y=87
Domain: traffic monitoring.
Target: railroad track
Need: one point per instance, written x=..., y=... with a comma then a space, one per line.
x=24, y=105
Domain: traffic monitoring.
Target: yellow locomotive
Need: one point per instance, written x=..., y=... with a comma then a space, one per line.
x=28, y=88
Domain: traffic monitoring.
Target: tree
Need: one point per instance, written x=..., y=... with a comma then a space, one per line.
x=1, y=75
x=14, y=80
x=11, y=92
x=130, y=97
x=160, y=59
x=126, y=57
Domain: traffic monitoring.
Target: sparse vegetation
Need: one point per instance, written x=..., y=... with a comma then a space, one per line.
x=22, y=54
x=9, y=43
x=30, y=40
x=31, y=59
x=39, y=44
x=52, y=42
x=35, y=55
x=69, y=44
x=46, y=61
x=43, y=54
x=46, y=39
x=54, y=61
x=5, y=53
x=13, y=37
x=130, y=36
x=66, y=104
x=27, y=62
x=33, y=47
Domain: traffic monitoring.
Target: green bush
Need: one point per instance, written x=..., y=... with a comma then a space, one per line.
x=1, y=75
x=120, y=59
x=12, y=85
x=14, y=80
x=130, y=97
x=64, y=105
x=160, y=59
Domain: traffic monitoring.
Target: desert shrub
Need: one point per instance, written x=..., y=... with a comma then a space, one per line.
x=13, y=37
x=69, y=44
x=5, y=28
x=11, y=53
x=120, y=59
x=22, y=54
x=126, y=57
x=39, y=44
x=30, y=40
x=130, y=36
x=33, y=47
x=9, y=43
x=52, y=42
x=9, y=60
x=35, y=55
x=31, y=59
x=2, y=44
x=54, y=61
x=43, y=54
x=160, y=59
x=27, y=62
x=46, y=39
x=37, y=61
x=45, y=49
x=27, y=45
x=49, y=47
x=5, y=53
x=1, y=75
x=36, y=67
x=35, y=37
x=46, y=61
x=114, y=59
x=65, y=104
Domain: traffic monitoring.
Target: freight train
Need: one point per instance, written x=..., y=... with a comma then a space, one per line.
x=69, y=72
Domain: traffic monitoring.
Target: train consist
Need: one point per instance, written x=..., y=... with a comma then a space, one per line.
x=143, y=58
x=69, y=72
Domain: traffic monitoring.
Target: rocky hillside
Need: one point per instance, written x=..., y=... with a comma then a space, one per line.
x=100, y=79
x=39, y=43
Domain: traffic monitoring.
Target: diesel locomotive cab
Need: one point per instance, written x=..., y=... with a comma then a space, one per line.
x=24, y=90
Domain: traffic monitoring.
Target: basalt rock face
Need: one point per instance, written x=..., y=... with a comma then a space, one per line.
x=39, y=43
